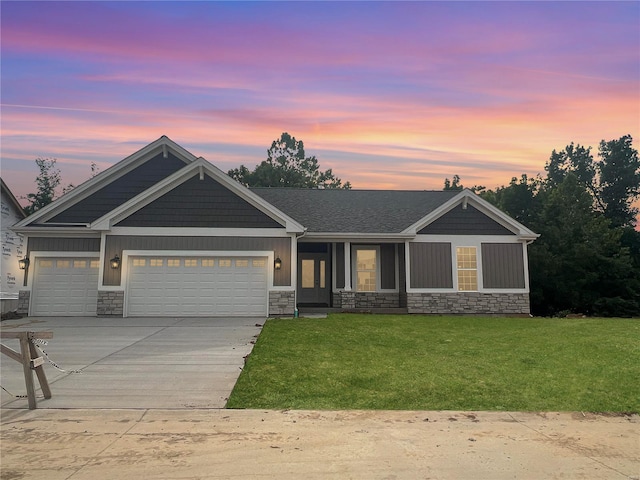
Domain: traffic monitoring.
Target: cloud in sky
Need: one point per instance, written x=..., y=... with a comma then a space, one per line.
x=388, y=95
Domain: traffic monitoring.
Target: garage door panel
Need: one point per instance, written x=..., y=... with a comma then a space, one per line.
x=188, y=286
x=67, y=286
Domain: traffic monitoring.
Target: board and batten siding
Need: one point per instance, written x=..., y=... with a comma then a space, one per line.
x=281, y=246
x=387, y=266
x=464, y=221
x=503, y=265
x=55, y=244
x=60, y=244
x=431, y=265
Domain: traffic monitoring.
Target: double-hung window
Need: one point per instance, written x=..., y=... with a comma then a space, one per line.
x=467, y=266
x=366, y=269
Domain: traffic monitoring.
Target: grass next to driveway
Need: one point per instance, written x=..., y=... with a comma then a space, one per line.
x=353, y=361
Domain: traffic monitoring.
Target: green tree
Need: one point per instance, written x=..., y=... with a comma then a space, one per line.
x=46, y=182
x=287, y=166
x=579, y=263
x=519, y=199
x=613, y=181
x=453, y=184
x=619, y=172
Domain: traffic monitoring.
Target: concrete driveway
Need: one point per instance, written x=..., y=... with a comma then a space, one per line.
x=135, y=362
x=147, y=406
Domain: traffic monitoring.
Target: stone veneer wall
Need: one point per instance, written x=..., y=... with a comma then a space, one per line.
x=23, y=302
x=352, y=300
x=469, y=303
x=110, y=304
x=282, y=302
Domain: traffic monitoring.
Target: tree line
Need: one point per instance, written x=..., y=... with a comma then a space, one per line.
x=587, y=259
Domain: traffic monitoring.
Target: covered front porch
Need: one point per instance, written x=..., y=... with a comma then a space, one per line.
x=351, y=276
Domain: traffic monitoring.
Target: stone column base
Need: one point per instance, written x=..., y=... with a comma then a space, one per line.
x=110, y=304
x=282, y=302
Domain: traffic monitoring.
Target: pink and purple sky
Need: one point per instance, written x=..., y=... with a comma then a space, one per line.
x=389, y=95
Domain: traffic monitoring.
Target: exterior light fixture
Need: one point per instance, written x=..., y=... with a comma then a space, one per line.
x=277, y=264
x=115, y=262
x=23, y=263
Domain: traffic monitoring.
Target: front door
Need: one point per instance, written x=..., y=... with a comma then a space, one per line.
x=313, y=279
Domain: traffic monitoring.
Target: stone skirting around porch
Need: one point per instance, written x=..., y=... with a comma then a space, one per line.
x=359, y=300
x=469, y=303
x=110, y=304
x=282, y=302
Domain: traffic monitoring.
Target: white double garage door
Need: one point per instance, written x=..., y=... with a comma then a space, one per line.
x=156, y=286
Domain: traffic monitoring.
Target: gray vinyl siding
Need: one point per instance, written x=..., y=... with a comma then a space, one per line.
x=200, y=203
x=280, y=246
x=502, y=265
x=59, y=244
x=339, y=265
x=431, y=265
x=387, y=266
x=43, y=244
x=469, y=221
x=121, y=190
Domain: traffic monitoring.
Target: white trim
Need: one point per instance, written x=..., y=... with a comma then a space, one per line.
x=126, y=254
x=467, y=238
x=107, y=221
x=347, y=266
x=56, y=231
x=468, y=197
x=454, y=263
x=107, y=176
x=373, y=237
x=198, y=232
x=47, y=254
x=354, y=268
x=36, y=254
x=467, y=241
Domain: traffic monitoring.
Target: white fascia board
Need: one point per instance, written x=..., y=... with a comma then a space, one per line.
x=485, y=207
x=109, y=175
x=195, y=168
x=56, y=231
x=199, y=232
x=291, y=225
x=354, y=236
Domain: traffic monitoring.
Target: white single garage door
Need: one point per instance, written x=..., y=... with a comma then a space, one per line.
x=65, y=286
x=197, y=286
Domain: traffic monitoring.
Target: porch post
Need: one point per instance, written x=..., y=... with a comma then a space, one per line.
x=347, y=266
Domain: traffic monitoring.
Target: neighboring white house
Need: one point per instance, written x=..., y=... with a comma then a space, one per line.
x=13, y=249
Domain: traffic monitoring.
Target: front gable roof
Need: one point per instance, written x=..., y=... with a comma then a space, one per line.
x=248, y=202
x=466, y=198
x=110, y=188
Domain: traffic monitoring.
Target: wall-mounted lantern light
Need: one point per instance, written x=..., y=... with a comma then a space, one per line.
x=277, y=264
x=23, y=263
x=115, y=262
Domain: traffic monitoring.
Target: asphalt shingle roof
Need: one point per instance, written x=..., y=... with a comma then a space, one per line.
x=355, y=211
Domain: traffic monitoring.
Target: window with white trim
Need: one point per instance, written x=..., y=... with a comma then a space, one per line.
x=366, y=269
x=467, y=266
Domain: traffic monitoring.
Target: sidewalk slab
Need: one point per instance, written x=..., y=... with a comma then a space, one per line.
x=258, y=444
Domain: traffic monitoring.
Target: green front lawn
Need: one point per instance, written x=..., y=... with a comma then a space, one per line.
x=352, y=361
